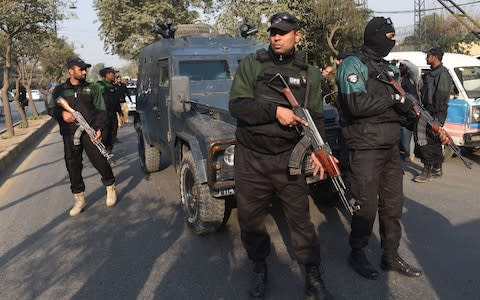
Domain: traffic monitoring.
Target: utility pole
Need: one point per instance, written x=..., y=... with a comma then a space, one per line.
x=420, y=29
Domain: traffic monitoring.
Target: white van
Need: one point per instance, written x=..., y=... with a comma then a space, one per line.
x=463, y=116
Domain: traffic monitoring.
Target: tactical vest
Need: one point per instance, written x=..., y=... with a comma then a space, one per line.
x=296, y=77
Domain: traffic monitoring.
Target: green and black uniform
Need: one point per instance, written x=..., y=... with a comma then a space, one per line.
x=108, y=91
x=90, y=104
x=264, y=147
x=371, y=122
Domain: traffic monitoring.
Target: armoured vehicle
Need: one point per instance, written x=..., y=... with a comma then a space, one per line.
x=182, y=103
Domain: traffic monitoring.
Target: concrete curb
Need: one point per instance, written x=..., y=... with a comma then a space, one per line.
x=14, y=153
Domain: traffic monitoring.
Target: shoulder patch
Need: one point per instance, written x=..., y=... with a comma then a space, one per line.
x=353, y=78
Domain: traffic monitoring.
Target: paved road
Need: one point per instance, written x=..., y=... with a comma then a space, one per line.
x=142, y=249
x=40, y=105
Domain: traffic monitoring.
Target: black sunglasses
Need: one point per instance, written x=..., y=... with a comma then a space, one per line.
x=388, y=21
x=280, y=17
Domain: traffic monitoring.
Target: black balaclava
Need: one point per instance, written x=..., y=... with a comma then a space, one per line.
x=374, y=36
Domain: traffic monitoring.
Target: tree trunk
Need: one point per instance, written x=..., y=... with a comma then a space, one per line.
x=6, y=71
x=27, y=83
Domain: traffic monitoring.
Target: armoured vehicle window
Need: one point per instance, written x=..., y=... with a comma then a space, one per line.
x=205, y=70
x=164, y=81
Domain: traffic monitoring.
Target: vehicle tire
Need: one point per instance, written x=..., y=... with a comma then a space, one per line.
x=203, y=213
x=136, y=122
x=149, y=155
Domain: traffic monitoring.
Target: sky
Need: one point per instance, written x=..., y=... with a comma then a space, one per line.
x=83, y=30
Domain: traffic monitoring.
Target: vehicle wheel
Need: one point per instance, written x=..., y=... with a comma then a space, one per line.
x=203, y=213
x=149, y=156
x=136, y=122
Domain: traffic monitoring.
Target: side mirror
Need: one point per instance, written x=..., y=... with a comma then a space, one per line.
x=180, y=94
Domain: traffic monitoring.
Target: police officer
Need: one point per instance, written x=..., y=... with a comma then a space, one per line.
x=112, y=103
x=81, y=96
x=266, y=136
x=437, y=85
x=372, y=116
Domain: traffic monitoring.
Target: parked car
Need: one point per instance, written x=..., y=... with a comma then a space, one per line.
x=132, y=92
x=36, y=95
x=10, y=96
x=10, y=99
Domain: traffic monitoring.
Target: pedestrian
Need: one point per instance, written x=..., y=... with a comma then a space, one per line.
x=22, y=96
x=372, y=115
x=122, y=92
x=436, y=89
x=82, y=97
x=409, y=81
x=266, y=135
x=112, y=103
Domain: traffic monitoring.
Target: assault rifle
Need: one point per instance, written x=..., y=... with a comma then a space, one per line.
x=423, y=114
x=80, y=120
x=321, y=149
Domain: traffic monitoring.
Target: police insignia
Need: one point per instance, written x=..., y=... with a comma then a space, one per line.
x=353, y=78
x=294, y=81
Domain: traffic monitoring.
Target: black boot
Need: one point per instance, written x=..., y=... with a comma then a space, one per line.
x=359, y=262
x=259, y=280
x=437, y=170
x=314, y=285
x=426, y=174
x=393, y=262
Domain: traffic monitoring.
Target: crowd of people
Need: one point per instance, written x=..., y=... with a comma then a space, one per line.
x=377, y=124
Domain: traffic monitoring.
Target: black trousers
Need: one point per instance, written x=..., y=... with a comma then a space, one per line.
x=73, y=160
x=110, y=132
x=431, y=153
x=258, y=178
x=377, y=185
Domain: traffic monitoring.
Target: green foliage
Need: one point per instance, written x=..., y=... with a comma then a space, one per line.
x=27, y=16
x=319, y=18
x=53, y=55
x=125, y=25
x=442, y=31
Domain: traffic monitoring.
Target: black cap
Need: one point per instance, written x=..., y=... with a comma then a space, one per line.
x=284, y=22
x=437, y=51
x=76, y=61
x=107, y=70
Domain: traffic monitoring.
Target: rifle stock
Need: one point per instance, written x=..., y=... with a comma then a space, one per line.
x=321, y=150
x=419, y=108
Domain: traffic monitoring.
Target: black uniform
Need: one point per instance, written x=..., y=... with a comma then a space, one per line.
x=437, y=85
x=264, y=148
x=92, y=107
